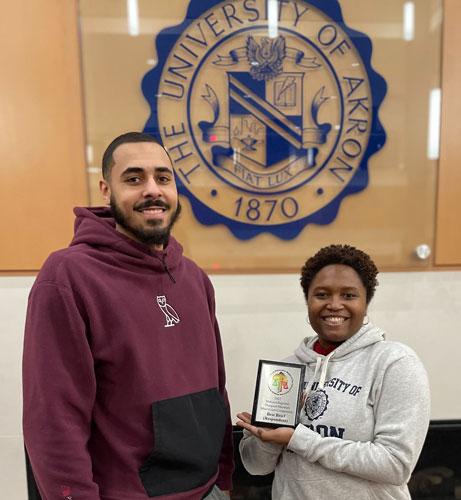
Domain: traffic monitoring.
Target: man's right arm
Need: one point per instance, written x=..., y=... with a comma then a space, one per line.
x=59, y=389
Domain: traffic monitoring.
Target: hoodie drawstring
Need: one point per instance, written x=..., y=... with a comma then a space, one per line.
x=165, y=266
x=323, y=373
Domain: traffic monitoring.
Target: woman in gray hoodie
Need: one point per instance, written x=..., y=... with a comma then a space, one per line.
x=367, y=404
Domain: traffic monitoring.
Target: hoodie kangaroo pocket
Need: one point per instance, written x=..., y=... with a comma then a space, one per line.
x=188, y=437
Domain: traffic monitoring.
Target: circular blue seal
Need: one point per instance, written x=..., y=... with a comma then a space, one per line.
x=316, y=404
x=269, y=125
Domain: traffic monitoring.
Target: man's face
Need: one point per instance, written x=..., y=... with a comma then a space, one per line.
x=142, y=193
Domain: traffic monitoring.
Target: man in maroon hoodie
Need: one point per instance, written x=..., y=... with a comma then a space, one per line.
x=124, y=384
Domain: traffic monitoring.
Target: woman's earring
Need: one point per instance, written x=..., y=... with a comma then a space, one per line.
x=307, y=319
x=368, y=320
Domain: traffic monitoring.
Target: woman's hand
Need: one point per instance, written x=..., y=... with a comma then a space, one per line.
x=281, y=435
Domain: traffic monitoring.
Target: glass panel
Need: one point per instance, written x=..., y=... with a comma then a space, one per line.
x=271, y=149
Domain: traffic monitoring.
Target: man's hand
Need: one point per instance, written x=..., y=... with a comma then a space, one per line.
x=281, y=435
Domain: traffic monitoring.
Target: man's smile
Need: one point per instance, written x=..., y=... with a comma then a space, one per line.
x=152, y=209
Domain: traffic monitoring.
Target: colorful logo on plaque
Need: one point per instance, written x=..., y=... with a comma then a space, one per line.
x=270, y=123
x=280, y=382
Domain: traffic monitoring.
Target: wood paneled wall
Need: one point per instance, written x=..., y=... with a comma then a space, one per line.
x=448, y=221
x=42, y=140
x=42, y=143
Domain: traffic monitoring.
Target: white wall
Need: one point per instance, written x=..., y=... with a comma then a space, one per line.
x=263, y=316
x=13, y=303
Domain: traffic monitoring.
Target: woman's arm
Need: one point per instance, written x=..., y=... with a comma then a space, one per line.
x=402, y=415
x=260, y=457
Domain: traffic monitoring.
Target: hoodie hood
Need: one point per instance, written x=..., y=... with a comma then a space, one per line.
x=366, y=336
x=95, y=227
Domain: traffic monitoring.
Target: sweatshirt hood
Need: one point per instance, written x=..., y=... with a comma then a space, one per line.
x=366, y=336
x=95, y=227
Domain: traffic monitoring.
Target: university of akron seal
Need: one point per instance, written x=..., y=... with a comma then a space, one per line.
x=316, y=404
x=268, y=129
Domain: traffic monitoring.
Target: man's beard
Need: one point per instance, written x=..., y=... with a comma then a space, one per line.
x=148, y=236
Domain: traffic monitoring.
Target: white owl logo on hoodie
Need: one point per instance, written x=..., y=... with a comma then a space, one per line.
x=171, y=316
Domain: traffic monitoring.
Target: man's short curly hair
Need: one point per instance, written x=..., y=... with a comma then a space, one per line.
x=347, y=256
x=128, y=137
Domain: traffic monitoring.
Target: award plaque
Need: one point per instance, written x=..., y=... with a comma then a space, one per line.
x=278, y=394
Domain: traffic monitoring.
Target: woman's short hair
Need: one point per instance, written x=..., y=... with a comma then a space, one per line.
x=347, y=256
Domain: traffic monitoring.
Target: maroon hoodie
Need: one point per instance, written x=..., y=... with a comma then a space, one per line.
x=124, y=385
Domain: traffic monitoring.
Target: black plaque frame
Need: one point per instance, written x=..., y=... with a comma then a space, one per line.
x=296, y=366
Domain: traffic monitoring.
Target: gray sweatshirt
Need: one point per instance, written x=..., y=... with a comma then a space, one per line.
x=362, y=427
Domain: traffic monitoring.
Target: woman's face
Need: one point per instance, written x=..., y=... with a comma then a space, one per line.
x=336, y=304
